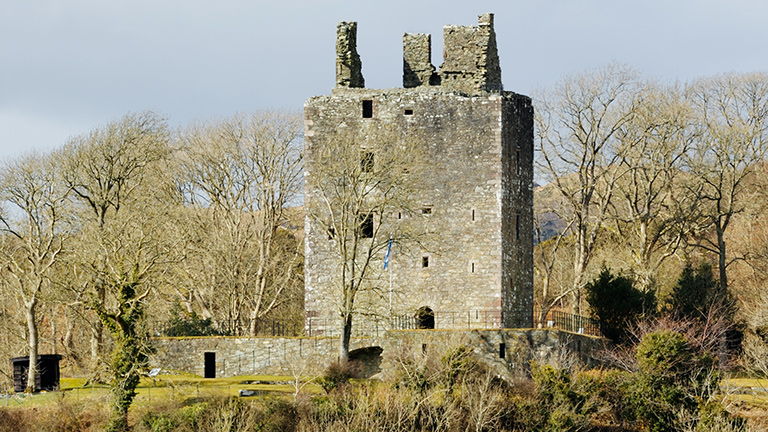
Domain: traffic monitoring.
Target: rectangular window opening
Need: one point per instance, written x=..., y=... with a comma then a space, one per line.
x=517, y=162
x=366, y=161
x=399, y=215
x=502, y=350
x=366, y=225
x=472, y=268
x=368, y=109
x=408, y=111
x=425, y=261
x=473, y=215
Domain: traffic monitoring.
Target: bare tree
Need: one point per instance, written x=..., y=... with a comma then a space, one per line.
x=650, y=213
x=581, y=140
x=34, y=226
x=547, y=260
x=732, y=114
x=124, y=212
x=243, y=173
x=105, y=169
x=356, y=185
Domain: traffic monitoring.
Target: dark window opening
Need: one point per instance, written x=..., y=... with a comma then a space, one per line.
x=366, y=226
x=502, y=350
x=473, y=215
x=408, y=111
x=366, y=162
x=331, y=233
x=425, y=318
x=210, y=365
x=399, y=215
x=517, y=162
x=517, y=227
x=367, y=109
x=425, y=261
x=473, y=268
x=426, y=210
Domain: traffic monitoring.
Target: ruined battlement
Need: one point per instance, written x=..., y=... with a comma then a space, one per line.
x=470, y=59
x=349, y=69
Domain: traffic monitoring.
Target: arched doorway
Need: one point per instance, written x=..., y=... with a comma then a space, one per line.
x=425, y=318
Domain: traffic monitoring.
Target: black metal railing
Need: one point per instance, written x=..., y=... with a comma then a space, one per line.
x=570, y=322
x=375, y=326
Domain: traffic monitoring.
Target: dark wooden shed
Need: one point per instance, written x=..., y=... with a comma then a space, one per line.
x=47, y=377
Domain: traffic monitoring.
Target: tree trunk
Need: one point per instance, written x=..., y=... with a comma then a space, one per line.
x=31, y=312
x=721, y=264
x=253, y=329
x=346, y=335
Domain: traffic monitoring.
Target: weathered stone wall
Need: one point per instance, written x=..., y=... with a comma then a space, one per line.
x=519, y=348
x=476, y=201
x=284, y=356
x=249, y=356
x=517, y=212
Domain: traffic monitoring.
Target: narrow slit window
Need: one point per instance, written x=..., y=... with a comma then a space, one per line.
x=366, y=226
x=399, y=215
x=425, y=261
x=408, y=111
x=502, y=350
x=368, y=108
x=366, y=161
x=473, y=215
x=517, y=226
x=517, y=161
x=472, y=268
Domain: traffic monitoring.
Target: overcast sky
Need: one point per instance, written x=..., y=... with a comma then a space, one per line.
x=71, y=65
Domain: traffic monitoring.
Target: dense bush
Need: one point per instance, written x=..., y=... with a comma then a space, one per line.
x=695, y=292
x=183, y=324
x=674, y=379
x=617, y=304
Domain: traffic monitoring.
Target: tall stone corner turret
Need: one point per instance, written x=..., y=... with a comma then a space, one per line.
x=349, y=68
x=471, y=58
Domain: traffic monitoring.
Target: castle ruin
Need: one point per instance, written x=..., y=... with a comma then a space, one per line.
x=476, y=270
x=474, y=274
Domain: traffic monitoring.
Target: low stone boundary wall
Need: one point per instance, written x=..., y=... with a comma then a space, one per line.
x=249, y=355
x=507, y=350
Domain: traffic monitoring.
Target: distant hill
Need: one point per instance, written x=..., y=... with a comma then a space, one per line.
x=546, y=200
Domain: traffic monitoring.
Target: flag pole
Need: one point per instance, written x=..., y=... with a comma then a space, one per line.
x=386, y=267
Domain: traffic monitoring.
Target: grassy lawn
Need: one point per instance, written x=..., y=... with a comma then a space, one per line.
x=162, y=388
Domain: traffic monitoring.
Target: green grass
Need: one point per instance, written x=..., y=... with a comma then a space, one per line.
x=179, y=387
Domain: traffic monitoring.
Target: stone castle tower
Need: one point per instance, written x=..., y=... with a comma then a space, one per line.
x=476, y=271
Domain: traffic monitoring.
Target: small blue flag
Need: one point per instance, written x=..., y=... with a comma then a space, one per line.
x=386, y=257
